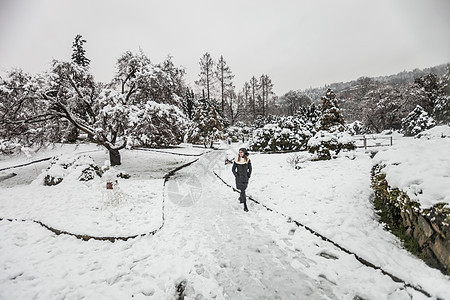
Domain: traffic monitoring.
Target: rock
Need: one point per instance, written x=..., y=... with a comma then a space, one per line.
x=328, y=255
x=419, y=236
x=426, y=228
x=441, y=248
x=437, y=229
x=405, y=219
x=409, y=231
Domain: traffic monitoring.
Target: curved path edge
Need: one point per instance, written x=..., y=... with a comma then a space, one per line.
x=112, y=239
x=312, y=231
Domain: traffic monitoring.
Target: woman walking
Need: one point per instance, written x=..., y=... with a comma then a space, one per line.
x=242, y=170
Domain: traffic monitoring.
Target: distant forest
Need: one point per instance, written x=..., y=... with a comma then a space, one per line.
x=350, y=94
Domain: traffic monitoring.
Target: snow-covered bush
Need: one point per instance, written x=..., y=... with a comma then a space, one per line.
x=355, y=128
x=417, y=121
x=324, y=145
x=237, y=133
x=261, y=121
x=274, y=138
x=9, y=147
x=287, y=134
x=81, y=168
x=297, y=159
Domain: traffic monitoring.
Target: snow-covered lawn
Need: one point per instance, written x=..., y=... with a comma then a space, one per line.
x=87, y=208
x=208, y=243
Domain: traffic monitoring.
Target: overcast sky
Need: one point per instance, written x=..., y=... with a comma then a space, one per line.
x=299, y=44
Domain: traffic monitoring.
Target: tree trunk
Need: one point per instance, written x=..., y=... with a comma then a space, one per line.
x=114, y=157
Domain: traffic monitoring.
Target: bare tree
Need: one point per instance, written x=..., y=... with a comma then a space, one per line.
x=254, y=94
x=266, y=86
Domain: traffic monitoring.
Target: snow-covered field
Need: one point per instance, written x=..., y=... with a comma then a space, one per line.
x=208, y=244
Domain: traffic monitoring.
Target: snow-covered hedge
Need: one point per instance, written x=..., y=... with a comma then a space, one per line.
x=324, y=145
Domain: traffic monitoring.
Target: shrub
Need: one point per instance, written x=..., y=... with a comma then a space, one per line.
x=81, y=168
x=417, y=121
x=324, y=145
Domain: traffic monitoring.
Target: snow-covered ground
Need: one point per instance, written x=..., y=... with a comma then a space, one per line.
x=208, y=244
x=420, y=167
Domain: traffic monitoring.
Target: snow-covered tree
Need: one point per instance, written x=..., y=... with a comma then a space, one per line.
x=188, y=103
x=311, y=114
x=207, y=125
x=417, y=121
x=24, y=116
x=167, y=84
x=133, y=76
x=79, y=54
x=332, y=118
x=158, y=124
x=42, y=108
x=430, y=84
x=441, y=109
x=330, y=138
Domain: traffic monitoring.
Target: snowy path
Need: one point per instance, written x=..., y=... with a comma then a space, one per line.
x=208, y=245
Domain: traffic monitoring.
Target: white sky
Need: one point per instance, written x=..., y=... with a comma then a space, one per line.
x=298, y=43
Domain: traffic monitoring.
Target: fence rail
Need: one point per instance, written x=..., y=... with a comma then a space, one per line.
x=373, y=141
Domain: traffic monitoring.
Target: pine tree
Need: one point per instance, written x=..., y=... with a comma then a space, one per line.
x=188, y=103
x=331, y=138
x=332, y=118
x=417, y=121
x=79, y=54
x=207, y=125
x=224, y=77
x=206, y=75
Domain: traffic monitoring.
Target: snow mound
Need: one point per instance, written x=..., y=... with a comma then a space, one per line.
x=69, y=168
x=437, y=132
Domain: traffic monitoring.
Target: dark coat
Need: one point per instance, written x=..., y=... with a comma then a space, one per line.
x=242, y=172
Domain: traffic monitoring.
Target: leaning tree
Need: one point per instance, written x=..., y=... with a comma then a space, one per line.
x=39, y=109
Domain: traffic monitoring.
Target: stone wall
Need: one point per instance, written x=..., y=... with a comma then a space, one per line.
x=424, y=232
